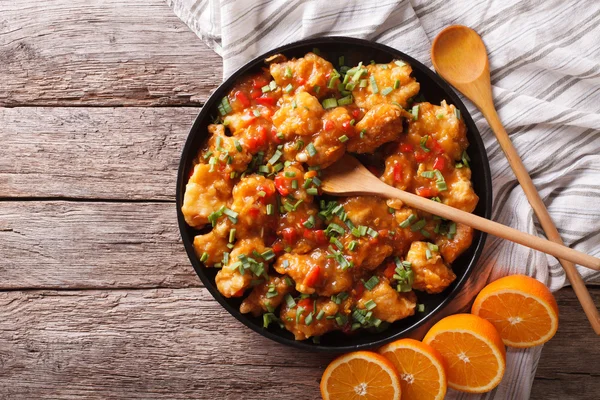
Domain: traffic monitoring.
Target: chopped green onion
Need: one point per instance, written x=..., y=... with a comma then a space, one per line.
x=288, y=88
x=335, y=241
x=268, y=254
x=233, y=174
x=294, y=105
x=269, y=209
x=317, y=89
x=386, y=91
x=343, y=138
x=320, y=315
x=330, y=103
x=420, y=307
x=310, y=222
x=372, y=232
x=415, y=112
x=238, y=146
x=262, y=193
x=289, y=300
x=425, y=233
x=418, y=225
x=334, y=228
x=363, y=83
x=441, y=186
x=400, y=63
x=350, y=86
x=294, y=184
x=397, y=84
x=374, y=87
x=266, y=88
x=264, y=169
x=423, y=143
x=308, y=320
x=359, y=231
x=204, y=257
x=273, y=85
x=428, y=174
x=341, y=320
x=231, y=214
x=428, y=253
x=299, y=312
x=439, y=116
x=362, y=133
x=289, y=174
x=344, y=101
x=369, y=305
x=232, y=235
x=316, y=181
x=299, y=145
x=288, y=72
x=457, y=113
x=268, y=318
x=352, y=245
x=311, y=150
x=371, y=283
x=312, y=191
x=433, y=247
x=465, y=159
x=452, y=228
x=341, y=61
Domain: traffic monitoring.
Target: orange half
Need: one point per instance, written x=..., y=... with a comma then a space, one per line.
x=472, y=350
x=521, y=308
x=361, y=375
x=421, y=369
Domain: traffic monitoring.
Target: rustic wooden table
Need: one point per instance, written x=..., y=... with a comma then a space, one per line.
x=97, y=297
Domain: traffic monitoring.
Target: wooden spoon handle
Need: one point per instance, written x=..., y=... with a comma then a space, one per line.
x=494, y=228
x=541, y=212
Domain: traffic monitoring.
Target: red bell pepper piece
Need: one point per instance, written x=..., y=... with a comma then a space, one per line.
x=439, y=163
x=266, y=101
x=313, y=276
x=242, y=98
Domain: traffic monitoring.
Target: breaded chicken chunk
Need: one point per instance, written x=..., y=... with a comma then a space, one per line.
x=431, y=274
x=206, y=192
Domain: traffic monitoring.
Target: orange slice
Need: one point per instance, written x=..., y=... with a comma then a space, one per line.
x=421, y=369
x=361, y=375
x=521, y=308
x=472, y=350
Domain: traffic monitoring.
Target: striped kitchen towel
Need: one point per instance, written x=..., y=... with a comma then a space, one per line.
x=545, y=67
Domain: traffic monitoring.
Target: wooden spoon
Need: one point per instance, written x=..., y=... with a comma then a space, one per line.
x=459, y=56
x=349, y=177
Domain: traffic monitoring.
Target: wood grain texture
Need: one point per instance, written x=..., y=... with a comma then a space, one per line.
x=180, y=344
x=101, y=52
x=569, y=367
x=106, y=153
x=159, y=344
x=62, y=245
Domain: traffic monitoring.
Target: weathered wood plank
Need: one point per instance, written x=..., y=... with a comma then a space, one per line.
x=108, y=153
x=142, y=344
x=180, y=344
x=569, y=366
x=101, y=52
x=91, y=245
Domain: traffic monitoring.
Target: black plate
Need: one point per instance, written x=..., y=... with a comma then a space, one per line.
x=434, y=89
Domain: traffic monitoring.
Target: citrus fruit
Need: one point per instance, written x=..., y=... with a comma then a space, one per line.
x=361, y=375
x=421, y=368
x=472, y=349
x=521, y=308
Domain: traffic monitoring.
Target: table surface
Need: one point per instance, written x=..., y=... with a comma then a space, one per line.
x=97, y=297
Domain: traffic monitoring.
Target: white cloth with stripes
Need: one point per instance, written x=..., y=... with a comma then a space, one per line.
x=545, y=67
